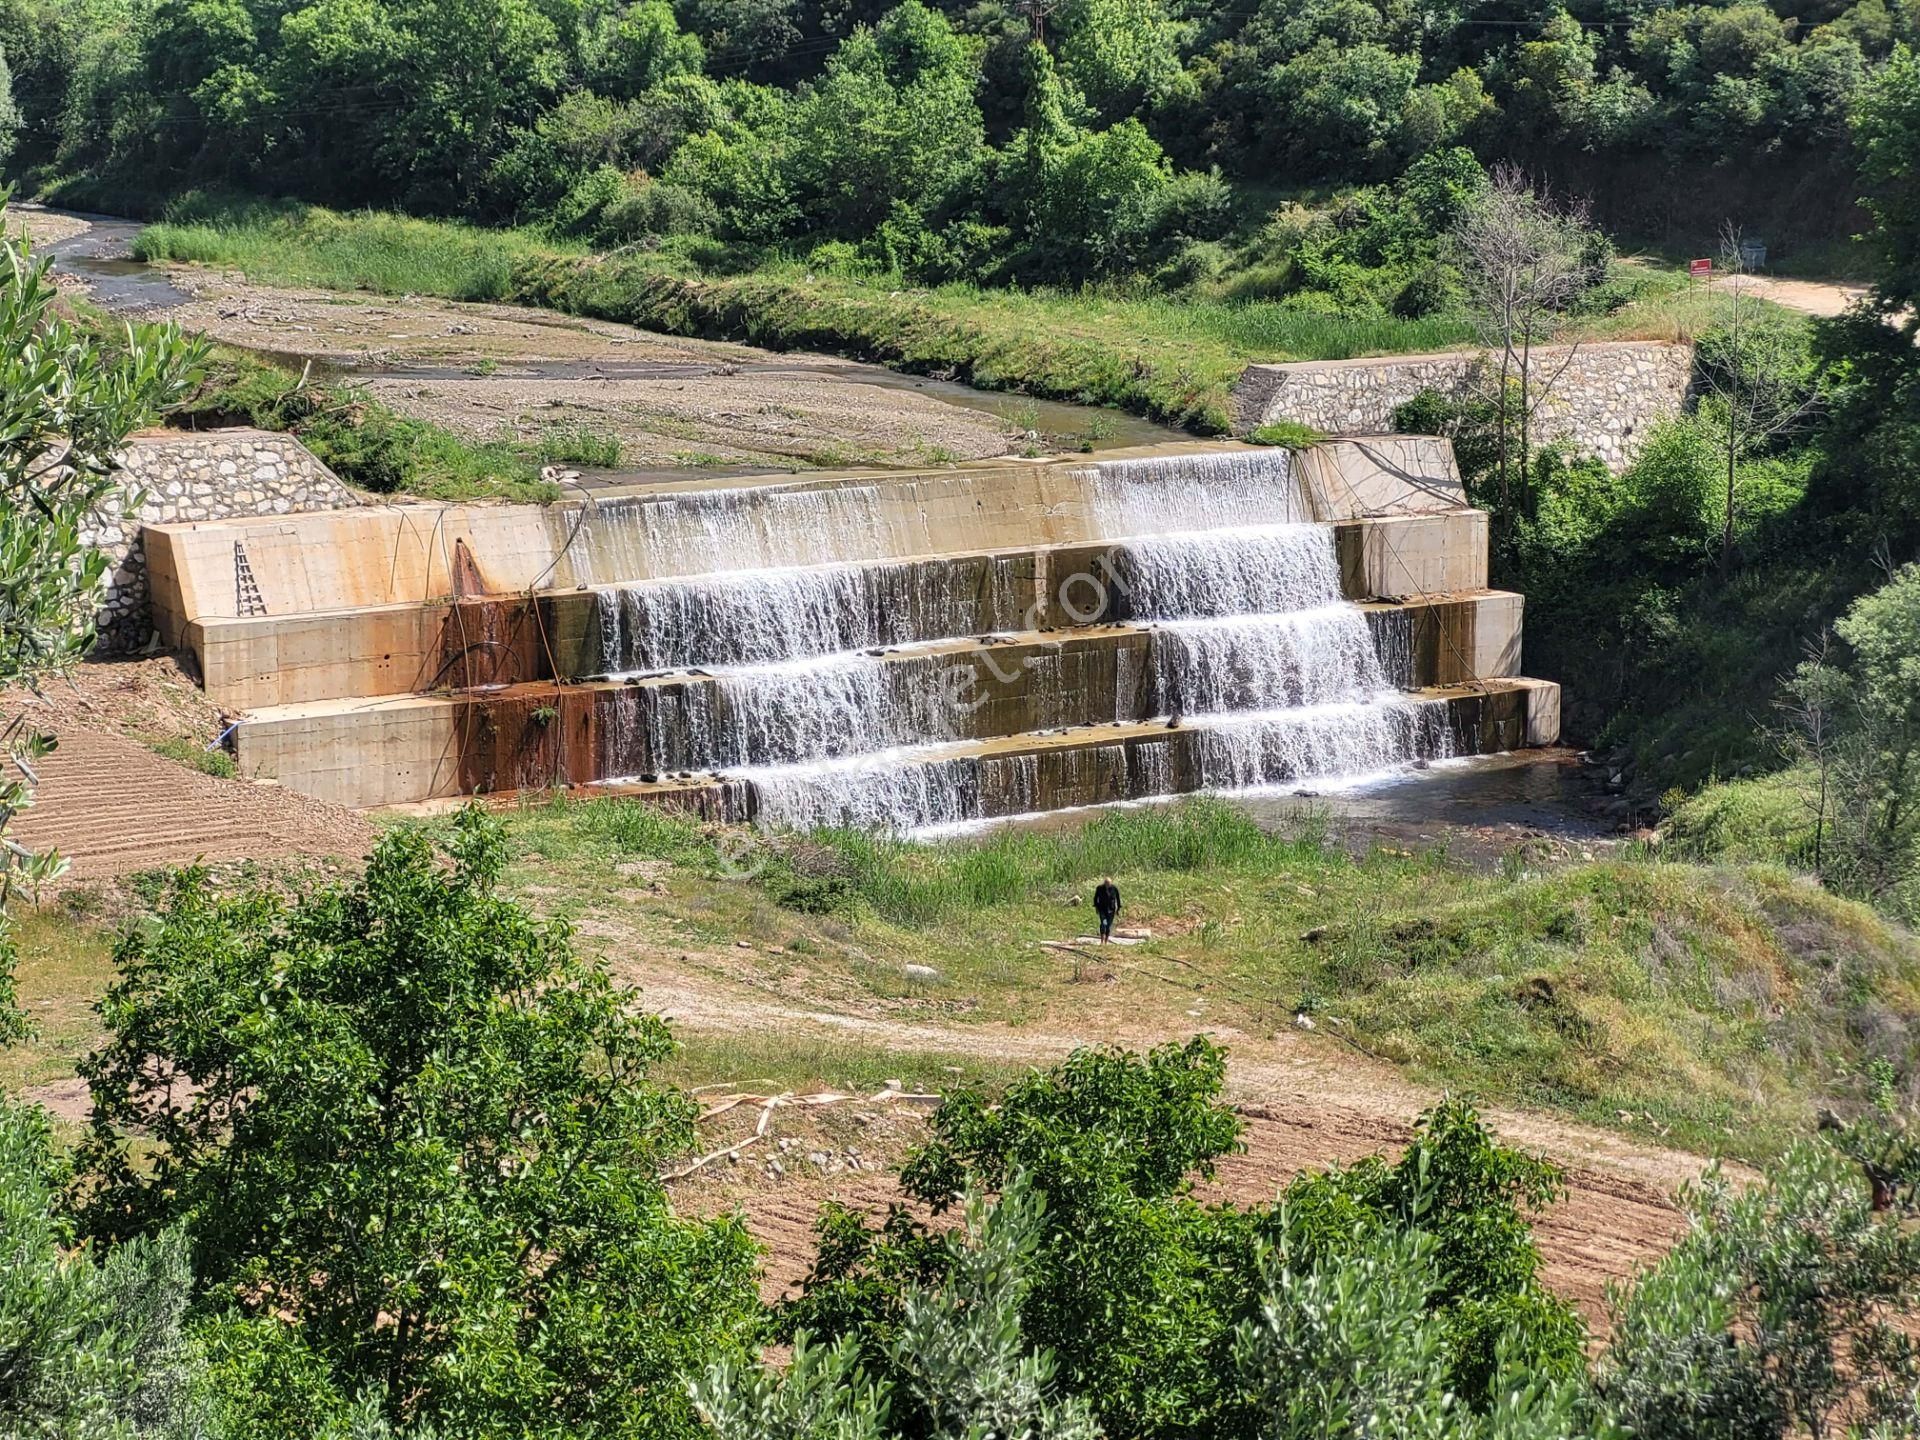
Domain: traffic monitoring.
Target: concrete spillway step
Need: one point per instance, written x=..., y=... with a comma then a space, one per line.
x=745, y=616
x=409, y=748
x=989, y=780
x=419, y=552
x=895, y=649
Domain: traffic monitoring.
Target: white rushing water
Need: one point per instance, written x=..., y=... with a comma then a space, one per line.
x=1322, y=656
x=1259, y=569
x=1262, y=748
x=1275, y=679
x=1156, y=494
x=760, y=617
x=748, y=527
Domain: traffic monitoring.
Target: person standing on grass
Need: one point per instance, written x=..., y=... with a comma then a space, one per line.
x=1106, y=904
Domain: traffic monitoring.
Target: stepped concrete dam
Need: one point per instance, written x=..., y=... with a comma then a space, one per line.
x=898, y=649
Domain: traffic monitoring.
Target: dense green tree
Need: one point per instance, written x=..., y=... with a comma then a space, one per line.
x=960, y=1358
x=1883, y=631
x=1887, y=124
x=67, y=401
x=10, y=121
x=416, y=102
x=405, y=1123
x=891, y=129
x=1139, y=1290
x=1336, y=108
x=39, y=43
x=1778, y=1313
x=1122, y=55
x=91, y=1347
x=1867, y=485
x=1081, y=200
x=1349, y=1345
x=629, y=50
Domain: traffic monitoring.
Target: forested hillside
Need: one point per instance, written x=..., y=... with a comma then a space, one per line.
x=940, y=140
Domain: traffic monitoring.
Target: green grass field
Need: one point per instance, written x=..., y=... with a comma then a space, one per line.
x=1708, y=1007
x=1705, y=1007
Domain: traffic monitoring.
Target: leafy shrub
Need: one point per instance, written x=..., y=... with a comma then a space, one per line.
x=645, y=211
x=423, y=1136
x=1778, y=1312
x=88, y=1348
x=958, y=1357
x=1144, y=1294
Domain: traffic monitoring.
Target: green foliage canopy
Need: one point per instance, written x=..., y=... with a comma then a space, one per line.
x=406, y=1122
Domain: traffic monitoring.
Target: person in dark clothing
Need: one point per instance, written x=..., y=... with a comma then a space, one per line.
x=1106, y=904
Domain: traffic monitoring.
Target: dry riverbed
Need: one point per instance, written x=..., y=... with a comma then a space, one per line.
x=509, y=372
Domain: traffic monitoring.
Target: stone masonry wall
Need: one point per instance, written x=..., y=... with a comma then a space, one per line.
x=1603, y=397
x=208, y=475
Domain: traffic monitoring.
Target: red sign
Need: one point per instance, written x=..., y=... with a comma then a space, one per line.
x=1699, y=269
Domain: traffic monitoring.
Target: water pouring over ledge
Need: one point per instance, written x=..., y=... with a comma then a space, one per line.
x=1254, y=641
x=835, y=608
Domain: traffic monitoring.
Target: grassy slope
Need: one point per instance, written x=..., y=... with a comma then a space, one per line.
x=371, y=446
x=1713, y=1007
x=1171, y=358
x=1707, y=1007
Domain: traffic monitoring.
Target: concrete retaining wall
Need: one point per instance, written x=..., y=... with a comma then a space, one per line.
x=265, y=660
x=1602, y=397
x=416, y=552
x=211, y=475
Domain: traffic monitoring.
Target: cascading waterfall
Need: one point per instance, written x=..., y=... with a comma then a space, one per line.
x=1276, y=747
x=1249, y=570
x=906, y=789
x=1155, y=494
x=762, y=617
x=750, y=527
x=1275, y=677
x=1322, y=656
x=1281, y=676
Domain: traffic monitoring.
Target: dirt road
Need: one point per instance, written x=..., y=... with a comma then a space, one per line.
x=1308, y=1100
x=1810, y=297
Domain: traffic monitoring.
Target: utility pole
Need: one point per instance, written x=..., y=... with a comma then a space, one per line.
x=1037, y=12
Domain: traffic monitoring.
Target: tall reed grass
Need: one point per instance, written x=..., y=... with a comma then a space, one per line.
x=305, y=245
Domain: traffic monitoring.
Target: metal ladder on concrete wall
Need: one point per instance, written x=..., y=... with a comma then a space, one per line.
x=246, y=590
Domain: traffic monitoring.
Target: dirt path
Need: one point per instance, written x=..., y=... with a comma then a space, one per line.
x=113, y=807
x=1810, y=297
x=1608, y=1225
x=1309, y=1101
x=709, y=416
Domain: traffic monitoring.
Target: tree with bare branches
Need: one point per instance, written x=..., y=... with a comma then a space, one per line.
x=1519, y=251
x=1755, y=373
